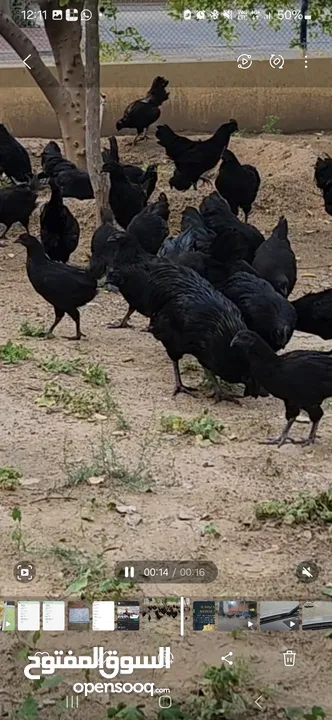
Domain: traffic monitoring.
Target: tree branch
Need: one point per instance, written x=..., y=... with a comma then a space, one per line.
x=23, y=46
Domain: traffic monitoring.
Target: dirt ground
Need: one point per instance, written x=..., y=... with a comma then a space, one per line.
x=158, y=491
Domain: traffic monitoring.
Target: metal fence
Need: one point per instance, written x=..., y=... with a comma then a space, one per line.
x=192, y=37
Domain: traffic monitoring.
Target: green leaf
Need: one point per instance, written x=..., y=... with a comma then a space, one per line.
x=28, y=710
x=16, y=514
x=53, y=681
x=79, y=584
x=294, y=713
x=35, y=637
x=326, y=591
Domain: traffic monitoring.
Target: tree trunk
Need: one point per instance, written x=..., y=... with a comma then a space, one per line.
x=65, y=40
x=94, y=106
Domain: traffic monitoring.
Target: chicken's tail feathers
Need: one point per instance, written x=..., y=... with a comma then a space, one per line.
x=106, y=215
x=282, y=227
x=35, y=184
x=191, y=218
x=229, y=157
x=165, y=135
x=157, y=91
x=114, y=150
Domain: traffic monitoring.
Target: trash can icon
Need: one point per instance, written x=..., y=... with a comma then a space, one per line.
x=289, y=658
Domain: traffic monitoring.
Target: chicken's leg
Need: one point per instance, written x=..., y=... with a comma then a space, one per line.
x=218, y=392
x=179, y=386
x=283, y=437
x=74, y=314
x=58, y=317
x=124, y=322
x=312, y=435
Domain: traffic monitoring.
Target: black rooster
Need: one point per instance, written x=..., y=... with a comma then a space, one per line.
x=134, y=173
x=190, y=316
x=150, y=226
x=314, y=313
x=17, y=203
x=323, y=177
x=192, y=158
x=71, y=181
x=302, y=379
x=144, y=112
x=234, y=239
x=238, y=184
x=64, y=286
x=263, y=309
x=14, y=159
x=59, y=229
x=125, y=198
x=275, y=260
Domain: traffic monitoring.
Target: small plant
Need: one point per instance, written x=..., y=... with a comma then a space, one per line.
x=17, y=533
x=77, y=474
x=32, y=330
x=9, y=478
x=95, y=374
x=305, y=508
x=55, y=365
x=137, y=477
x=12, y=354
x=298, y=713
x=82, y=405
x=203, y=427
x=210, y=529
x=87, y=576
x=271, y=125
x=223, y=693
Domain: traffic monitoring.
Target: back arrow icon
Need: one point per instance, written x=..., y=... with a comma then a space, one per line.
x=257, y=703
x=25, y=61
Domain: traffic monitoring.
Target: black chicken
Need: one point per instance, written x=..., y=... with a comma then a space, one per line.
x=275, y=260
x=194, y=236
x=144, y=112
x=302, y=379
x=234, y=240
x=190, y=316
x=72, y=181
x=150, y=226
x=323, y=177
x=263, y=309
x=125, y=198
x=134, y=173
x=192, y=158
x=238, y=184
x=314, y=313
x=17, y=203
x=64, y=286
x=130, y=273
x=59, y=229
x=14, y=159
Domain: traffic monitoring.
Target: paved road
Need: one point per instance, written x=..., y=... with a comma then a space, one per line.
x=192, y=39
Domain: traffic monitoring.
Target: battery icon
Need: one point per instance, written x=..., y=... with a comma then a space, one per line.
x=129, y=571
x=307, y=16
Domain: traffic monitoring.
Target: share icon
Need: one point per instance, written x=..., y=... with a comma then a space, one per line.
x=224, y=657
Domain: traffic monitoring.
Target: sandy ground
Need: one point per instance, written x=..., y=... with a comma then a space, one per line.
x=176, y=484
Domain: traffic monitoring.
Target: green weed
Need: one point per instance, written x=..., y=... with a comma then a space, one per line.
x=80, y=404
x=306, y=508
x=55, y=365
x=95, y=374
x=9, y=478
x=271, y=125
x=12, y=354
x=203, y=427
x=32, y=330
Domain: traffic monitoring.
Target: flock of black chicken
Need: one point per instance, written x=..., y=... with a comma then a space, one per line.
x=218, y=291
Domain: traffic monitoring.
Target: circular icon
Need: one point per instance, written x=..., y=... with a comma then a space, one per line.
x=86, y=15
x=165, y=701
x=277, y=61
x=24, y=572
x=244, y=62
x=307, y=571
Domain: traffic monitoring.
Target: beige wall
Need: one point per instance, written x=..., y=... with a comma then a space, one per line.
x=203, y=94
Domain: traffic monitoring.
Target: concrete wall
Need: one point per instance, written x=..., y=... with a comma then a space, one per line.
x=203, y=94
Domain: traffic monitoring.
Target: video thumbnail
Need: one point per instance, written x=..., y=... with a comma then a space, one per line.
x=128, y=615
x=317, y=615
x=279, y=615
x=237, y=615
